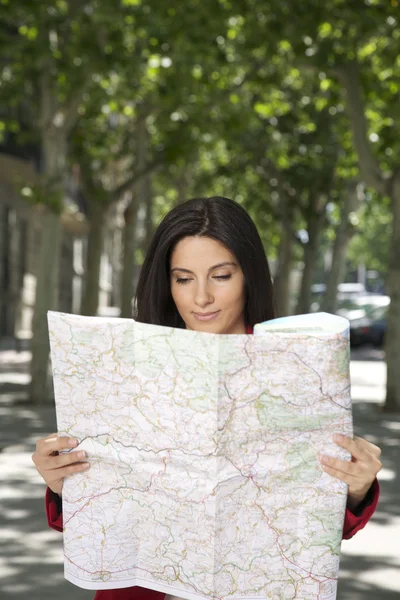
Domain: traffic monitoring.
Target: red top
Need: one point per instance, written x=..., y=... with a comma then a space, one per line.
x=353, y=522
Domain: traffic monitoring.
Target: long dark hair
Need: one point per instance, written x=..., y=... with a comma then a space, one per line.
x=218, y=218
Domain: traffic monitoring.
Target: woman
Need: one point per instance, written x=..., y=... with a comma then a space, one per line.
x=206, y=270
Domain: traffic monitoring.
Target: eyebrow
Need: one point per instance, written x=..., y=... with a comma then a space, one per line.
x=223, y=264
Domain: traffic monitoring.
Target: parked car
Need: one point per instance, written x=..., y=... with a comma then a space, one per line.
x=368, y=319
x=346, y=292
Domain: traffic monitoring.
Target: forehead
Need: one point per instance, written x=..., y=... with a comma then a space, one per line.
x=199, y=250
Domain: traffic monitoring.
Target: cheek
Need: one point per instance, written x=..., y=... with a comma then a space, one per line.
x=234, y=295
x=178, y=295
x=241, y=295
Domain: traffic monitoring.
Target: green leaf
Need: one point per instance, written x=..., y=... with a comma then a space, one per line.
x=264, y=110
x=324, y=30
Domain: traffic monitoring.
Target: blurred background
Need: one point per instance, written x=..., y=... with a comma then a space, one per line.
x=114, y=111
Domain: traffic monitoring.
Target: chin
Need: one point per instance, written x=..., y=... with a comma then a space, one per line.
x=205, y=326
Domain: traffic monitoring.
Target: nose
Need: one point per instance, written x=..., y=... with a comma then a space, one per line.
x=202, y=295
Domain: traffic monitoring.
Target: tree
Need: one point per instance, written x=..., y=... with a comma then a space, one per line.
x=353, y=194
x=138, y=195
x=53, y=52
x=385, y=183
x=315, y=221
x=158, y=86
x=339, y=42
x=370, y=245
x=36, y=67
x=106, y=179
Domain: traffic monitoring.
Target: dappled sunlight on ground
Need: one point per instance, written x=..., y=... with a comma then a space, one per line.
x=370, y=561
x=31, y=555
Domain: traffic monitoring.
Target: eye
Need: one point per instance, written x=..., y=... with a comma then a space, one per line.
x=183, y=280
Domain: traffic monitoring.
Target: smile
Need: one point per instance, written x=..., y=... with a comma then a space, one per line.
x=206, y=316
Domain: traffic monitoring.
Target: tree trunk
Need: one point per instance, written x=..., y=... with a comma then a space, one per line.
x=54, y=146
x=11, y=264
x=392, y=341
x=149, y=222
x=4, y=270
x=375, y=177
x=46, y=299
x=15, y=262
x=90, y=300
x=139, y=196
x=3, y=254
x=128, y=258
x=344, y=232
x=285, y=262
x=55, y=123
x=182, y=184
x=316, y=219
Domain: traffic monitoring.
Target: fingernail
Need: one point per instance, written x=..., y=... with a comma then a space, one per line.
x=85, y=466
x=338, y=437
x=81, y=454
x=72, y=442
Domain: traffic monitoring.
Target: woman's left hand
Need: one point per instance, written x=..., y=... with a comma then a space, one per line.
x=360, y=472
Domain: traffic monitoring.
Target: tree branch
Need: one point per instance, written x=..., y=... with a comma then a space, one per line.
x=267, y=170
x=70, y=108
x=135, y=177
x=48, y=102
x=349, y=76
x=74, y=7
x=283, y=211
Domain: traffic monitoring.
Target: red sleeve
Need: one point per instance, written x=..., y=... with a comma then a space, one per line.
x=353, y=522
x=54, y=510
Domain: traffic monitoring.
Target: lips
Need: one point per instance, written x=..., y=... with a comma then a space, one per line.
x=206, y=316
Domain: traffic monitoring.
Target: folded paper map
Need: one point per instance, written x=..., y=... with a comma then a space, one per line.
x=204, y=480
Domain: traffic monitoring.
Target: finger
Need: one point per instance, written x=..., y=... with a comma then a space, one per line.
x=75, y=468
x=343, y=466
x=40, y=443
x=56, y=444
x=63, y=460
x=368, y=446
x=345, y=477
x=350, y=445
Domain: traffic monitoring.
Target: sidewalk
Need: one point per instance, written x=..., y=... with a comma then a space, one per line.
x=31, y=559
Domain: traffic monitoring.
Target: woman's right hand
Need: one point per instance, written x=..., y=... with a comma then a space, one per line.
x=52, y=466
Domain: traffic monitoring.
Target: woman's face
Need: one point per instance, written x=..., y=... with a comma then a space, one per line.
x=206, y=277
